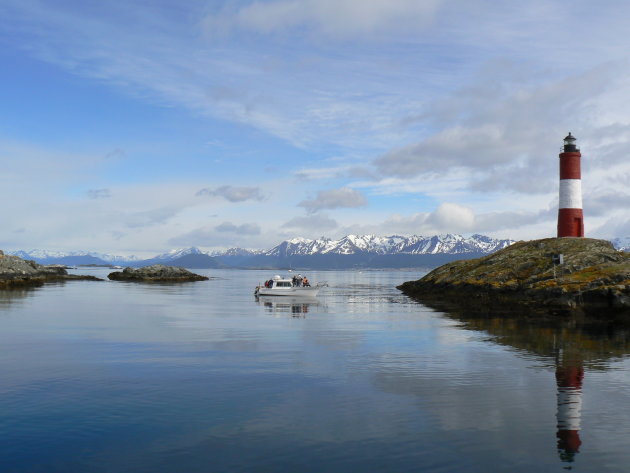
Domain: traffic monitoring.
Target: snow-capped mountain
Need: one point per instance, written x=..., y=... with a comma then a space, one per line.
x=20, y=253
x=237, y=252
x=298, y=246
x=178, y=253
x=351, y=251
x=388, y=245
x=451, y=244
x=348, y=245
x=44, y=255
x=622, y=243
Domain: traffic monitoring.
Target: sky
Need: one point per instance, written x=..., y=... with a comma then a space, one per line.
x=140, y=126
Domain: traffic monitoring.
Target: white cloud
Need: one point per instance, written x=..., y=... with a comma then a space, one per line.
x=294, y=94
x=147, y=218
x=227, y=234
x=308, y=174
x=99, y=193
x=244, y=229
x=317, y=223
x=233, y=193
x=341, y=171
x=456, y=217
x=332, y=18
x=334, y=199
x=487, y=130
x=602, y=203
x=615, y=226
x=200, y=237
x=477, y=146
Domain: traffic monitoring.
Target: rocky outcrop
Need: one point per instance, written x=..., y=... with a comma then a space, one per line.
x=592, y=275
x=17, y=272
x=156, y=273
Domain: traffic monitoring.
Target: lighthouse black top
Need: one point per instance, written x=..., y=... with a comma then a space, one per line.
x=569, y=143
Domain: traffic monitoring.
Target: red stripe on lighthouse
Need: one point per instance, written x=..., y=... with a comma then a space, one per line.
x=570, y=166
x=570, y=223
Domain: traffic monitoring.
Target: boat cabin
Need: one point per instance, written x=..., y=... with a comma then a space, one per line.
x=278, y=282
x=283, y=283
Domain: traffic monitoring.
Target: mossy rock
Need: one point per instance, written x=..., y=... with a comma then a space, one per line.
x=156, y=273
x=16, y=272
x=593, y=274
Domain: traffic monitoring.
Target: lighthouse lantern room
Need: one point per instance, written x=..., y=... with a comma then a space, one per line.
x=570, y=216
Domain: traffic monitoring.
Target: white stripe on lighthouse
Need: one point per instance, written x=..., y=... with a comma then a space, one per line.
x=570, y=194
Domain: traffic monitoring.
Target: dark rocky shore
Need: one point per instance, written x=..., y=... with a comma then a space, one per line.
x=156, y=273
x=592, y=277
x=16, y=272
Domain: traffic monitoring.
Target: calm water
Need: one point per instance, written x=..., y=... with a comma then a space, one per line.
x=200, y=377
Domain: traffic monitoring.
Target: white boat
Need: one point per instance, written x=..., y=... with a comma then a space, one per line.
x=278, y=286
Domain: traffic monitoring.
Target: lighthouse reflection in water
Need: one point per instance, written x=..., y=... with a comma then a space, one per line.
x=569, y=375
x=568, y=348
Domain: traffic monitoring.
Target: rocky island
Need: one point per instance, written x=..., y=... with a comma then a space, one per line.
x=17, y=272
x=565, y=274
x=156, y=273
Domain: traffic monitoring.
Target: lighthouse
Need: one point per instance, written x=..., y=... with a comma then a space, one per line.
x=570, y=217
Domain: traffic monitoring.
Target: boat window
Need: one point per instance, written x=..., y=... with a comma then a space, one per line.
x=283, y=284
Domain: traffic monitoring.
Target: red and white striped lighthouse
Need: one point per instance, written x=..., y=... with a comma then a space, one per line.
x=570, y=217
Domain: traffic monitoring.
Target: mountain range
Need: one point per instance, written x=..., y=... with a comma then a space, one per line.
x=351, y=251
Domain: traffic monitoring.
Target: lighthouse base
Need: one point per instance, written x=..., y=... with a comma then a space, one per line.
x=570, y=223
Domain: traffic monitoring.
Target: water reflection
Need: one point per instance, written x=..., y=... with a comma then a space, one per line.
x=569, y=376
x=17, y=295
x=296, y=306
x=567, y=345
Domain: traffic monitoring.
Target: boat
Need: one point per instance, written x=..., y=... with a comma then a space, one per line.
x=279, y=286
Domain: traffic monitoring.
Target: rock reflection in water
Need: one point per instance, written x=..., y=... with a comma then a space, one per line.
x=19, y=294
x=568, y=345
x=298, y=307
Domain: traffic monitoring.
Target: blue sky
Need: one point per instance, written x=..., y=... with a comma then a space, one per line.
x=135, y=127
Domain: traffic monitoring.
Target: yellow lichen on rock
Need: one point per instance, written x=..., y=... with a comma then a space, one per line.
x=533, y=272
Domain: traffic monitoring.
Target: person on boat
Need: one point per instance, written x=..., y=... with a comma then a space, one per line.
x=294, y=280
x=305, y=282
